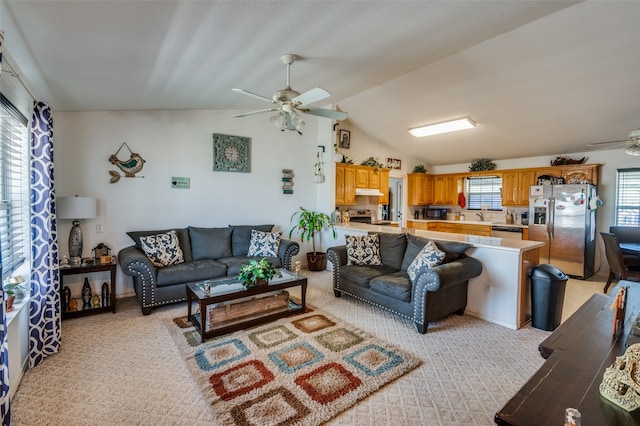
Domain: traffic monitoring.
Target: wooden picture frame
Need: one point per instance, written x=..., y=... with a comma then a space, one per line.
x=394, y=163
x=344, y=139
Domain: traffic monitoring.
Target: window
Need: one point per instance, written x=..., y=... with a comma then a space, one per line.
x=628, y=197
x=484, y=191
x=13, y=184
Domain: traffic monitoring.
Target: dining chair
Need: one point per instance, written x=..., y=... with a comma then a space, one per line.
x=617, y=265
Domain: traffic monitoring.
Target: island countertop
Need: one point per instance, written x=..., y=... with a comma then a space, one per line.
x=474, y=240
x=471, y=222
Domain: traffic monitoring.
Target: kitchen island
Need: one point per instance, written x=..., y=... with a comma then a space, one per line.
x=501, y=294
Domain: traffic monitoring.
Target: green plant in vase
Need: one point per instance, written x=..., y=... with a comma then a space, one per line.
x=257, y=272
x=420, y=168
x=309, y=224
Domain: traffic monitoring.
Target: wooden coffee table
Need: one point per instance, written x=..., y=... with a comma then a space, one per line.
x=256, y=305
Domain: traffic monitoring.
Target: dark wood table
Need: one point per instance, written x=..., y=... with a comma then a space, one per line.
x=225, y=291
x=90, y=269
x=577, y=354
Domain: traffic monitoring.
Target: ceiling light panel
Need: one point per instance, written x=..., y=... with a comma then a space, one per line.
x=444, y=127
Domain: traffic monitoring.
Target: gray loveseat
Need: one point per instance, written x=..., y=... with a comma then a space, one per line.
x=438, y=291
x=208, y=253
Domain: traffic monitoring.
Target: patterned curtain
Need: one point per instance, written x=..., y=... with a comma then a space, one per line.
x=44, y=330
x=4, y=352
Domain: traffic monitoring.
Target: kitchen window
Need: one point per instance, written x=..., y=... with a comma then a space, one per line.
x=14, y=199
x=628, y=197
x=484, y=191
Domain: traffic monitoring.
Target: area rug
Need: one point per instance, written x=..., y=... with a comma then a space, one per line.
x=299, y=370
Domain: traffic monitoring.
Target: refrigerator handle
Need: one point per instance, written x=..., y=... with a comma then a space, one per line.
x=552, y=217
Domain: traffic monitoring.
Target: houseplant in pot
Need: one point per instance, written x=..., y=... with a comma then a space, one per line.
x=257, y=272
x=309, y=224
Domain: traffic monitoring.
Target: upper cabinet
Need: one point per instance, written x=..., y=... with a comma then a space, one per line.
x=350, y=176
x=345, y=184
x=419, y=189
x=445, y=189
x=515, y=187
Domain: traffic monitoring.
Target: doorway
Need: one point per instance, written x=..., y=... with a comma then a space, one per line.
x=395, y=199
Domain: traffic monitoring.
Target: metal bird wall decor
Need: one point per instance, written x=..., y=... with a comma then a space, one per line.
x=130, y=167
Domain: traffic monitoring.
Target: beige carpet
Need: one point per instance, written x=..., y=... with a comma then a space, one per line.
x=300, y=370
x=124, y=369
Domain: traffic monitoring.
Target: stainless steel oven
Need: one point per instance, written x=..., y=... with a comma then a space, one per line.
x=360, y=216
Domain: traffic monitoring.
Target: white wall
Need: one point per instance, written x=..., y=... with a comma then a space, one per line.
x=179, y=143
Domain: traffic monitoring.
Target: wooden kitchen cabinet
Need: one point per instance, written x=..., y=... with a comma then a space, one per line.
x=419, y=189
x=368, y=177
x=472, y=229
x=345, y=184
x=515, y=186
x=577, y=172
x=445, y=189
x=384, y=186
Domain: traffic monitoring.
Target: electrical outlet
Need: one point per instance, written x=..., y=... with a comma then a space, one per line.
x=99, y=229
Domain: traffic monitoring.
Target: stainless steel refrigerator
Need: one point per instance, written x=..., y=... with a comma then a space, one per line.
x=559, y=216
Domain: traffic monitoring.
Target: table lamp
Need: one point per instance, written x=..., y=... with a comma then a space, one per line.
x=76, y=208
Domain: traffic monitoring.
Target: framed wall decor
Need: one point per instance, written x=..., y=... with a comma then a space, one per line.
x=394, y=163
x=345, y=139
x=231, y=153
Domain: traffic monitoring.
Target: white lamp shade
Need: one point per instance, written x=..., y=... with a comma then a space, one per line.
x=76, y=207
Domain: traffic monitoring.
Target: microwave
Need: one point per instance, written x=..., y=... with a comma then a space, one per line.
x=432, y=213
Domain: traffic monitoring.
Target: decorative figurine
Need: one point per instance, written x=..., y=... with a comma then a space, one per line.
x=105, y=294
x=64, y=263
x=73, y=305
x=95, y=301
x=66, y=298
x=86, y=294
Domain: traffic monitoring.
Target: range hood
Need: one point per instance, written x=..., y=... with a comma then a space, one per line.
x=369, y=192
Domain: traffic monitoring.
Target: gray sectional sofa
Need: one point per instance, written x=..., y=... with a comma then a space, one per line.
x=435, y=291
x=207, y=253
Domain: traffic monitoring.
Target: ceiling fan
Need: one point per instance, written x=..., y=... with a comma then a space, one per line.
x=633, y=143
x=288, y=103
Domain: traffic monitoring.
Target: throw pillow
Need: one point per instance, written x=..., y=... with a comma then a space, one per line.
x=363, y=250
x=241, y=237
x=210, y=243
x=264, y=243
x=162, y=249
x=428, y=257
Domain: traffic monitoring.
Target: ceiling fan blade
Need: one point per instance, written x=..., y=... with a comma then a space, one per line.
x=254, y=95
x=244, y=114
x=328, y=113
x=314, y=95
x=608, y=143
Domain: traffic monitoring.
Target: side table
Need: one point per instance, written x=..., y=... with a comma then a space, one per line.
x=88, y=269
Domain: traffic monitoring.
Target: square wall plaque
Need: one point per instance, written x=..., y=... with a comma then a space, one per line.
x=231, y=153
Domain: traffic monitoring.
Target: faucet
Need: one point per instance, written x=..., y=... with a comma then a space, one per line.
x=481, y=216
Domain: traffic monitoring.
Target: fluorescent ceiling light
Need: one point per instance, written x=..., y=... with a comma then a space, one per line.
x=444, y=127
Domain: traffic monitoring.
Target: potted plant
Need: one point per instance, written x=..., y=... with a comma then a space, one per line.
x=373, y=162
x=257, y=272
x=10, y=297
x=338, y=157
x=310, y=223
x=420, y=168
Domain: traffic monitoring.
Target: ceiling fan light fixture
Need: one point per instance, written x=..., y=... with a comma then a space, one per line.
x=280, y=120
x=296, y=120
x=443, y=127
x=633, y=149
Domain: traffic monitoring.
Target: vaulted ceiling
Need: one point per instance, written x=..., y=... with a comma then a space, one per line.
x=538, y=77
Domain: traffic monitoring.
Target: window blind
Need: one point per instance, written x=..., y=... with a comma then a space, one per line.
x=13, y=181
x=484, y=191
x=628, y=197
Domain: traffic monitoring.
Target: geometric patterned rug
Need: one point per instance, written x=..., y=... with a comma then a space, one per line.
x=303, y=369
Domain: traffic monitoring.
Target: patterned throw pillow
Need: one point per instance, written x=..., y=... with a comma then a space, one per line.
x=264, y=243
x=162, y=249
x=363, y=250
x=429, y=256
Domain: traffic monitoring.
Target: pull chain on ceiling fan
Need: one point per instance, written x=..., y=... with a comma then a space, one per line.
x=290, y=103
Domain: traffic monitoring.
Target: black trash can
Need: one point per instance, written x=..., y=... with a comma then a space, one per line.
x=548, y=285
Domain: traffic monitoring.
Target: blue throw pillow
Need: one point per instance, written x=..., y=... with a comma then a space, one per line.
x=264, y=244
x=210, y=243
x=162, y=249
x=429, y=256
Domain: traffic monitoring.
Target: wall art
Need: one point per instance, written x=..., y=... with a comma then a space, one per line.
x=231, y=153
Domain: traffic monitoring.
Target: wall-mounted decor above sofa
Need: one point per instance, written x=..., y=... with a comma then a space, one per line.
x=162, y=262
